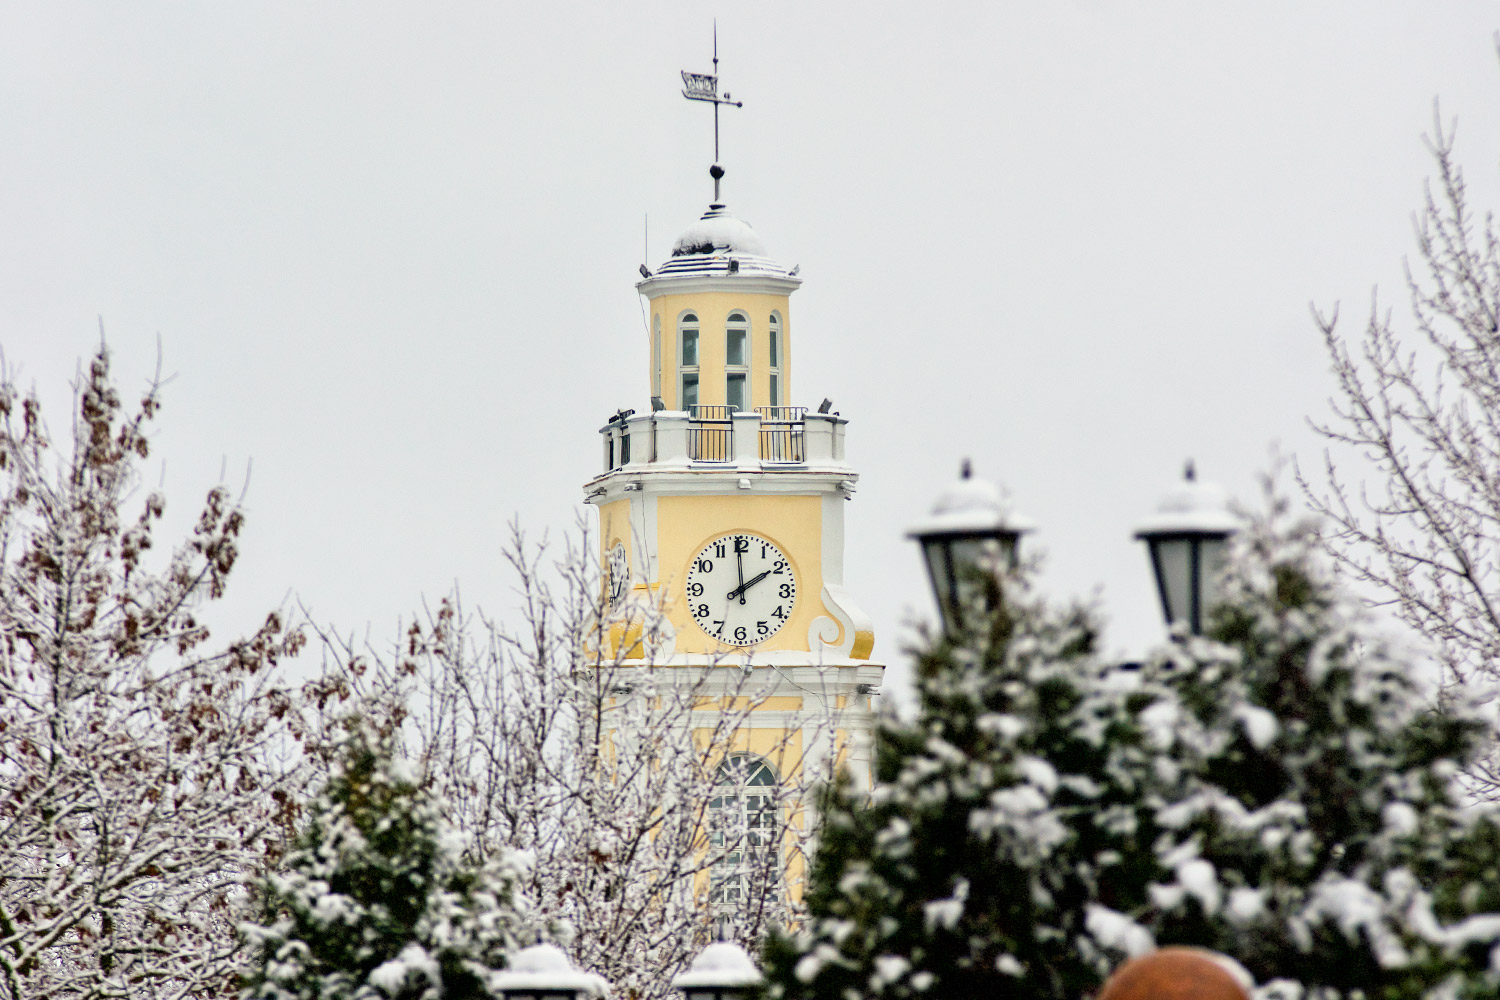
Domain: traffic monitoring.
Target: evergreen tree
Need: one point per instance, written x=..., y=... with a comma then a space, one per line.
x=1005, y=837
x=374, y=901
x=1318, y=832
x=1281, y=790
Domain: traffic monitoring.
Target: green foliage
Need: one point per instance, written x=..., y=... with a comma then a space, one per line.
x=374, y=900
x=1281, y=790
x=1007, y=819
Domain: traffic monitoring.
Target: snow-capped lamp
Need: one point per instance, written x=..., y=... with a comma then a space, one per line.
x=971, y=535
x=722, y=971
x=543, y=972
x=1187, y=538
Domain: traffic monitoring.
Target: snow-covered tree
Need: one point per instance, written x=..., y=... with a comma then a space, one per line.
x=138, y=770
x=650, y=825
x=1316, y=830
x=1007, y=832
x=1280, y=790
x=1409, y=480
x=376, y=901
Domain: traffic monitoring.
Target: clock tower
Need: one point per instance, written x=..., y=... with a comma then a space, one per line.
x=721, y=527
x=722, y=503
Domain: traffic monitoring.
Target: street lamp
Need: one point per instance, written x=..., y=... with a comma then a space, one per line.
x=722, y=971
x=543, y=972
x=1187, y=538
x=967, y=541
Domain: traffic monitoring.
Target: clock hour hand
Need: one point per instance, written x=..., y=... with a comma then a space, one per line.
x=740, y=590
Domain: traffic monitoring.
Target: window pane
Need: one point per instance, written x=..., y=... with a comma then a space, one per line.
x=735, y=354
x=775, y=389
x=775, y=346
x=736, y=394
x=689, y=347
x=689, y=391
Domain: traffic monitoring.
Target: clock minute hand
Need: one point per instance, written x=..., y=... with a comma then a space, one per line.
x=740, y=590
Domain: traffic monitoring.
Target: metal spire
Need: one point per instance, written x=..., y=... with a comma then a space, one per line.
x=705, y=87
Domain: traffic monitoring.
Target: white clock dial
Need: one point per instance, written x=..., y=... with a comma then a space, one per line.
x=741, y=589
x=618, y=572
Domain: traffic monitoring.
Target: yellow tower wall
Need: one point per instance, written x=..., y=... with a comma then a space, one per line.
x=712, y=310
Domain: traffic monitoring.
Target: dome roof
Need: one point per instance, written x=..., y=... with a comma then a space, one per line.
x=719, y=230
x=721, y=243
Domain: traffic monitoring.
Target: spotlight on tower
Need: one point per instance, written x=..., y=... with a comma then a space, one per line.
x=825, y=406
x=645, y=271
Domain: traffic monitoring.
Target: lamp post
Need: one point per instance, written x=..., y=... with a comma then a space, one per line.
x=722, y=971
x=1187, y=538
x=968, y=539
x=543, y=972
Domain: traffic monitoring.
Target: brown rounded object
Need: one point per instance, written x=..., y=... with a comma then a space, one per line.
x=1173, y=974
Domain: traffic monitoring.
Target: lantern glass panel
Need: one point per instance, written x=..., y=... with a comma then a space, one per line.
x=939, y=571
x=1213, y=555
x=1174, y=567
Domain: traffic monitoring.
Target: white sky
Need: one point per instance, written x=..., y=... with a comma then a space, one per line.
x=389, y=251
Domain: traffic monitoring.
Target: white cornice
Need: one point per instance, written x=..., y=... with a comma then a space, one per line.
x=658, y=285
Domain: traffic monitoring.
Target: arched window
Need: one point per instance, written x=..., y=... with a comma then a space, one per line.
x=737, y=361
x=773, y=344
x=744, y=830
x=687, y=361
x=656, y=355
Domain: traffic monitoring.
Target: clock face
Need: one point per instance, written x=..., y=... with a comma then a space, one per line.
x=618, y=573
x=741, y=589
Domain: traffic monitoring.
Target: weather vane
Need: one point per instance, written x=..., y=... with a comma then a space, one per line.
x=705, y=87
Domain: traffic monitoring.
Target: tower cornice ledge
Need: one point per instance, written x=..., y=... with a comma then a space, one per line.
x=718, y=280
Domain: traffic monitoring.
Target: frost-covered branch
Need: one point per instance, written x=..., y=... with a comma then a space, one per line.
x=140, y=771
x=1419, y=415
x=623, y=782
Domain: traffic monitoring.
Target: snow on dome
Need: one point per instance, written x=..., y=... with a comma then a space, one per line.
x=1191, y=507
x=718, y=231
x=722, y=963
x=543, y=967
x=721, y=243
x=969, y=506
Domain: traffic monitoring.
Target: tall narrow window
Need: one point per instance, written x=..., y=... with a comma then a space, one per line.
x=744, y=830
x=687, y=358
x=656, y=356
x=737, y=361
x=773, y=342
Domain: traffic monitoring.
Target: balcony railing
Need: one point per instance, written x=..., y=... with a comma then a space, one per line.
x=711, y=433
x=782, y=433
x=774, y=435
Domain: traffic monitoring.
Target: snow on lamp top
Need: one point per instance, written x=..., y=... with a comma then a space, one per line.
x=545, y=967
x=971, y=506
x=722, y=964
x=1192, y=508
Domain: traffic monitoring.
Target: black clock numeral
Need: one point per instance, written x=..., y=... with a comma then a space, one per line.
x=741, y=544
x=720, y=623
x=705, y=565
x=779, y=613
x=764, y=551
x=763, y=628
x=702, y=611
x=779, y=568
x=719, y=549
x=695, y=590
x=739, y=634
x=786, y=591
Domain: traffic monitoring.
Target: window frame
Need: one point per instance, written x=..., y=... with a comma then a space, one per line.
x=738, y=322
x=688, y=323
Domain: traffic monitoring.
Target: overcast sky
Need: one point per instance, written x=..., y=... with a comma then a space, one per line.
x=389, y=252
